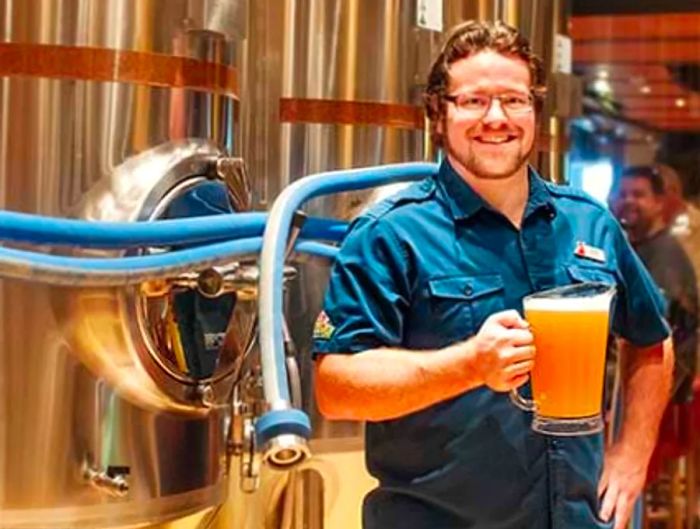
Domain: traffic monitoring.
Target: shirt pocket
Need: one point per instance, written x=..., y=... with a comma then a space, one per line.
x=591, y=274
x=460, y=304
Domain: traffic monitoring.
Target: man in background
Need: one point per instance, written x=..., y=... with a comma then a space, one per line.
x=643, y=210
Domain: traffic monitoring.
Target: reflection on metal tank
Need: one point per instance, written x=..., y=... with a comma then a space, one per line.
x=109, y=110
x=330, y=84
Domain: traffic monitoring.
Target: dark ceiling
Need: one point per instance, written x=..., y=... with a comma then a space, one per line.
x=629, y=7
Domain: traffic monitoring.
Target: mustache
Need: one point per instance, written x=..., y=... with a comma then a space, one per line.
x=479, y=128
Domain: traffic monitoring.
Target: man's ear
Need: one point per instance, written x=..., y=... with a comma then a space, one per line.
x=439, y=126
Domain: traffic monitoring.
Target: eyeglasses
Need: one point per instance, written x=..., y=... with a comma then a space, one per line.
x=477, y=105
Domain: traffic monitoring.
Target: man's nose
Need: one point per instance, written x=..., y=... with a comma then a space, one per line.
x=495, y=112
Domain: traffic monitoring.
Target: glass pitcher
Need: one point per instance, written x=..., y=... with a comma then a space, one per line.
x=570, y=326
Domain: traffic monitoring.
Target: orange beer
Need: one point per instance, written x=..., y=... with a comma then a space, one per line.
x=570, y=341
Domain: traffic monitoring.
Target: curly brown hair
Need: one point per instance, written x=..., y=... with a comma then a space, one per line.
x=467, y=39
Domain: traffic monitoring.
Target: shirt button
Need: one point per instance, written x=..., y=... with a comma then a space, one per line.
x=468, y=290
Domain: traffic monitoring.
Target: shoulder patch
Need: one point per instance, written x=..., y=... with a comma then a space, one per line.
x=572, y=192
x=416, y=192
x=323, y=328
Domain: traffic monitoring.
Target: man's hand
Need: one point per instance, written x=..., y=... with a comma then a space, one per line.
x=624, y=474
x=504, y=351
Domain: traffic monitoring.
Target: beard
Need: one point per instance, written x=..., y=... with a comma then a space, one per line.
x=634, y=221
x=510, y=160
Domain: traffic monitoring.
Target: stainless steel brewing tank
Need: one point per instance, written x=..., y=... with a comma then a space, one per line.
x=106, y=107
x=330, y=84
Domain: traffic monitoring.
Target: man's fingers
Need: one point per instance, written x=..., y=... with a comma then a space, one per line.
x=510, y=319
x=623, y=510
x=518, y=369
x=603, y=483
x=522, y=353
x=518, y=381
x=520, y=337
x=609, y=500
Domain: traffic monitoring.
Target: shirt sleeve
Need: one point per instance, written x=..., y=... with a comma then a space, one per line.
x=639, y=306
x=368, y=295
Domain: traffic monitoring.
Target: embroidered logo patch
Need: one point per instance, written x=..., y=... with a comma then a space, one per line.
x=323, y=328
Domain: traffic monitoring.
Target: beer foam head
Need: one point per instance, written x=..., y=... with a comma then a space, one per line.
x=598, y=303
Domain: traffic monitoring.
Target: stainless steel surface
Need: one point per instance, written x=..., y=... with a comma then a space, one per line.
x=93, y=404
x=234, y=172
x=285, y=451
x=335, y=51
x=77, y=383
x=105, y=481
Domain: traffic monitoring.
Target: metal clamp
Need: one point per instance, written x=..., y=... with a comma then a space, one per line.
x=234, y=173
x=111, y=481
x=214, y=282
x=282, y=435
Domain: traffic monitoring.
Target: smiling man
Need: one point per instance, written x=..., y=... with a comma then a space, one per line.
x=640, y=205
x=421, y=334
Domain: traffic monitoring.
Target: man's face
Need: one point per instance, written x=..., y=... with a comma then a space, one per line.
x=637, y=206
x=498, y=143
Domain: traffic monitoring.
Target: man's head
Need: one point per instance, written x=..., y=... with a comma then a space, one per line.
x=483, y=93
x=640, y=201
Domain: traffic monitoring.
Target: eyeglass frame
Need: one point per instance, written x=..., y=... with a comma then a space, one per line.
x=452, y=98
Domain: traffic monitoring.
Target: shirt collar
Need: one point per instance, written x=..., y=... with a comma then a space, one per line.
x=463, y=201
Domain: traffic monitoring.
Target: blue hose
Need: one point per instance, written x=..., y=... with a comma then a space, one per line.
x=122, y=271
x=36, y=229
x=273, y=253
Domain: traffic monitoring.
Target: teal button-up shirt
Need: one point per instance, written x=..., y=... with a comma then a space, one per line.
x=424, y=269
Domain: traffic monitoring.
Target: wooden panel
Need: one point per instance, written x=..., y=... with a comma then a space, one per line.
x=609, y=7
x=650, y=102
x=640, y=51
x=662, y=115
x=663, y=25
x=635, y=88
x=625, y=72
x=102, y=64
x=678, y=127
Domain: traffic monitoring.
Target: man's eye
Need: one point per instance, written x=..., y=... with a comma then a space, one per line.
x=515, y=101
x=472, y=102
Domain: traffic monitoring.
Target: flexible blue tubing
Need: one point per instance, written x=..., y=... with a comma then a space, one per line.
x=122, y=271
x=273, y=253
x=36, y=229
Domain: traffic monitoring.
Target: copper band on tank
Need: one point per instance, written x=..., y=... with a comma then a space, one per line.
x=103, y=64
x=337, y=112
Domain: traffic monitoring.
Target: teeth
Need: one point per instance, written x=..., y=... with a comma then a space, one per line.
x=494, y=139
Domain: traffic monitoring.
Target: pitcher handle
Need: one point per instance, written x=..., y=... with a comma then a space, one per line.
x=521, y=402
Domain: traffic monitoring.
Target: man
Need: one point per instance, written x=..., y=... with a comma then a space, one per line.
x=642, y=206
x=421, y=334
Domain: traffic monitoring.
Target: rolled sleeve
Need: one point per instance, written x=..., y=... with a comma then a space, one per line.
x=367, y=296
x=639, y=307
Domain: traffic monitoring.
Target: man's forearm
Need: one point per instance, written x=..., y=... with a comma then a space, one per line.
x=382, y=384
x=647, y=377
